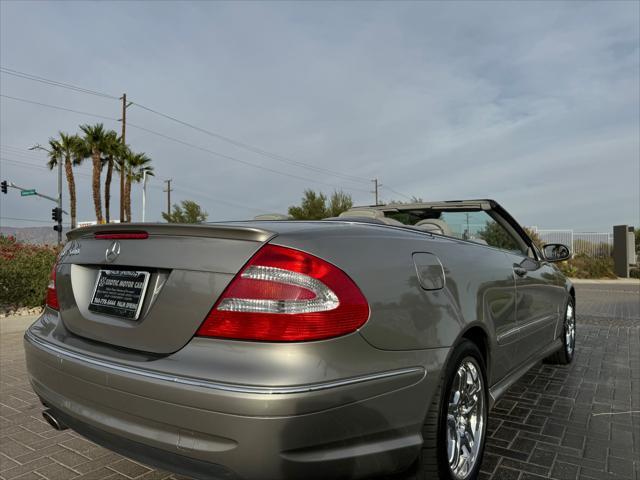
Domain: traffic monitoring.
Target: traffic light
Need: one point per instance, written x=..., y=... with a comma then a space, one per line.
x=56, y=214
x=4, y=186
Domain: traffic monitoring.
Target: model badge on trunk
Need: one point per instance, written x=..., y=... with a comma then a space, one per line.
x=112, y=252
x=74, y=248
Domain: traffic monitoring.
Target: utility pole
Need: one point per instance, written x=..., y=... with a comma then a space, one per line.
x=59, y=211
x=168, y=190
x=58, y=227
x=125, y=105
x=144, y=194
x=375, y=191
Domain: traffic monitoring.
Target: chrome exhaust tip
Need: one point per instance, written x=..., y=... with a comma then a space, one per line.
x=52, y=420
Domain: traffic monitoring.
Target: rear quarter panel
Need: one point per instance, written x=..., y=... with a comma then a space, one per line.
x=478, y=288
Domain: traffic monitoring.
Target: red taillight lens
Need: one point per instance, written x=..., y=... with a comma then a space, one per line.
x=52, y=295
x=285, y=295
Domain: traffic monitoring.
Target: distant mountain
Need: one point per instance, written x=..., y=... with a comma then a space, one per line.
x=34, y=235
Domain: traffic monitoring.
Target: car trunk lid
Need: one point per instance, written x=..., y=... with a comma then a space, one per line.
x=185, y=268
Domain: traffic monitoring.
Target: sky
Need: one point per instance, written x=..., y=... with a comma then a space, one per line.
x=533, y=104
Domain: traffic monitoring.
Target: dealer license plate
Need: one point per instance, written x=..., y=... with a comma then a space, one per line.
x=119, y=293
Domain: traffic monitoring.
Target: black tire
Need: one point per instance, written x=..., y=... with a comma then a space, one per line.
x=565, y=355
x=433, y=461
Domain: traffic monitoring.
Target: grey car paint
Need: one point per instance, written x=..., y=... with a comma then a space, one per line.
x=347, y=407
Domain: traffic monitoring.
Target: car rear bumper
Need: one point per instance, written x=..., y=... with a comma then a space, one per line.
x=360, y=426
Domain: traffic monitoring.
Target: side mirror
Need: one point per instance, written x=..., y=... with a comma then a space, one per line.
x=556, y=252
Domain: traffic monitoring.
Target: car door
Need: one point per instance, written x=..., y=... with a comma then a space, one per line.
x=539, y=291
x=537, y=306
x=536, y=301
x=491, y=265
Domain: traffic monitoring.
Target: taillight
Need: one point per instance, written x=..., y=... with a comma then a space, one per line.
x=285, y=295
x=52, y=294
x=121, y=235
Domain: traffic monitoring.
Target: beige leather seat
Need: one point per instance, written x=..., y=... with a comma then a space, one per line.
x=434, y=225
x=373, y=213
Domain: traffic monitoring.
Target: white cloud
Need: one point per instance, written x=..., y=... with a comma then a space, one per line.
x=535, y=104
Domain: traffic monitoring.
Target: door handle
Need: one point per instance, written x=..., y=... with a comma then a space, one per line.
x=519, y=271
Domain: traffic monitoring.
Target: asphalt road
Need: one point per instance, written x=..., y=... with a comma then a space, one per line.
x=557, y=422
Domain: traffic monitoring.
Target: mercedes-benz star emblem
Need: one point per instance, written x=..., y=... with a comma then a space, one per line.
x=112, y=252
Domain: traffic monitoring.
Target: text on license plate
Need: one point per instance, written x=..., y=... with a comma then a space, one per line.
x=119, y=293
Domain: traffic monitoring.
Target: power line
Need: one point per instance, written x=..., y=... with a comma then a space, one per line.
x=27, y=164
x=254, y=149
x=178, y=188
x=44, y=167
x=396, y=192
x=58, y=108
x=237, y=143
x=235, y=159
x=19, y=163
x=54, y=83
x=182, y=142
x=21, y=153
x=228, y=157
x=225, y=202
x=19, y=219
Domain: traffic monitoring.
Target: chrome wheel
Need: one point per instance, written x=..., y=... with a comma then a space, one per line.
x=570, y=330
x=465, y=418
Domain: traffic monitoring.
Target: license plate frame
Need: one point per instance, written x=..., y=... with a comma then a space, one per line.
x=118, y=300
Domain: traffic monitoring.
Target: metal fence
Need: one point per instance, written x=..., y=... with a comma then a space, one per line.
x=594, y=244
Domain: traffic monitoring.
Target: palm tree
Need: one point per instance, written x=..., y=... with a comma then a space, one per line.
x=68, y=149
x=112, y=149
x=136, y=164
x=94, y=143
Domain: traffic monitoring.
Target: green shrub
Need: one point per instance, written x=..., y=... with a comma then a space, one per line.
x=24, y=272
x=584, y=266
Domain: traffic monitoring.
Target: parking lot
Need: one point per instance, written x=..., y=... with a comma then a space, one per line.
x=580, y=421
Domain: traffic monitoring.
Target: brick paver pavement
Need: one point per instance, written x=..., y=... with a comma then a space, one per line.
x=556, y=422
x=573, y=422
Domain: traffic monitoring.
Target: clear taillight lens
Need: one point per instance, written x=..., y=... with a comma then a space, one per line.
x=52, y=294
x=284, y=294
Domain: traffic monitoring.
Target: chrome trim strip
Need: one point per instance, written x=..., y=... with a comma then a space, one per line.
x=523, y=327
x=226, y=387
x=507, y=334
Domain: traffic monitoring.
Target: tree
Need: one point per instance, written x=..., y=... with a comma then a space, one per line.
x=68, y=149
x=535, y=238
x=135, y=165
x=314, y=205
x=413, y=199
x=95, y=137
x=112, y=149
x=496, y=236
x=340, y=202
x=189, y=212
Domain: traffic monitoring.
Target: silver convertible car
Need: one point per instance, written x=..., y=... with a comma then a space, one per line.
x=374, y=343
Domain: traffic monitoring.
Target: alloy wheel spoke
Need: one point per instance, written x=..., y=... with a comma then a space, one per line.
x=454, y=448
x=469, y=437
x=465, y=419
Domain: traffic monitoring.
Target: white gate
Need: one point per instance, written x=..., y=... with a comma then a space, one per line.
x=594, y=244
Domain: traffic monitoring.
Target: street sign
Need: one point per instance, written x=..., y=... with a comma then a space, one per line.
x=26, y=193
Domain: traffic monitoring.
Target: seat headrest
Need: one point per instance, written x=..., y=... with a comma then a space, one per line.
x=373, y=214
x=435, y=225
x=363, y=212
